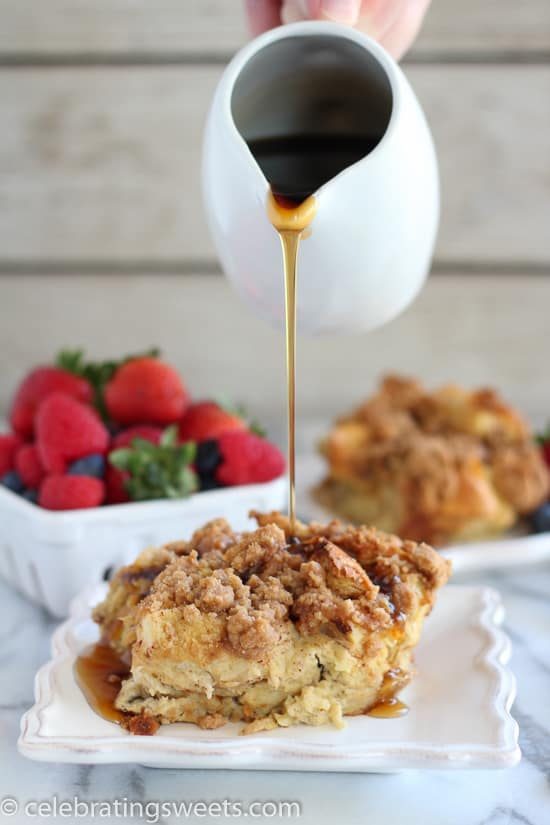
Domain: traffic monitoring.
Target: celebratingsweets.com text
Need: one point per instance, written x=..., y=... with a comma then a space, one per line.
x=151, y=811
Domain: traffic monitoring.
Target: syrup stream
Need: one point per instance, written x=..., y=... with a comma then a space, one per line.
x=290, y=219
x=290, y=242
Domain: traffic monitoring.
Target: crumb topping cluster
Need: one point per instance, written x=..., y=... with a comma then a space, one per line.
x=432, y=439
x=324, y=579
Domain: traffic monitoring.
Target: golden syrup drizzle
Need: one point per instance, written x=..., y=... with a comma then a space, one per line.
x=389, y=706
x=290, y=219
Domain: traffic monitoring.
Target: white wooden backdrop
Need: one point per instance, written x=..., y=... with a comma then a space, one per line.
x=103, y=241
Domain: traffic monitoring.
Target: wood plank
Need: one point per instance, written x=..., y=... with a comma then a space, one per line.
x=476, y=343
x=104, y=164
x=485, y=26
x=218, y=26
x=121, y=26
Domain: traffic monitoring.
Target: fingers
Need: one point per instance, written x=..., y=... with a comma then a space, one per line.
x=340, y=11
x=379, y=16
x=263, y=14
x=398, y=38
x=395, y=23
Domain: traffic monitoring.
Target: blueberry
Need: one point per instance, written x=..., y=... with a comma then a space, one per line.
x=208, y=458
x=13, y=482
x=31, y=495
x=540, y=519
x=208, y=482
x=90, y=465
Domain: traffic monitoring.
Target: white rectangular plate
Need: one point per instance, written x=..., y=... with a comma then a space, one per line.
x=459, y=712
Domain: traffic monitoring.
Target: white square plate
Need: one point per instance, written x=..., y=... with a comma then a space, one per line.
x=459, y=709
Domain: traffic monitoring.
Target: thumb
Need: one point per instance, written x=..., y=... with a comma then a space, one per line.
x=341, y=11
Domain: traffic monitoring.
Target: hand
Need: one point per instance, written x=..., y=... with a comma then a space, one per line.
x=394, y=23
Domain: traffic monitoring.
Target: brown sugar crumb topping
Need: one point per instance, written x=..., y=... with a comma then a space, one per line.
x=433, y=439
x=321, y=579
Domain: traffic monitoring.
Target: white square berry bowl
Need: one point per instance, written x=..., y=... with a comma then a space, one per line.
x=51, y=556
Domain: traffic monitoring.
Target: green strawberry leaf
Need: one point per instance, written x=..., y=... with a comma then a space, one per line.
x=169, y=437
x=121, y=458
x=97, y=373
x=162, y=471
x=256, y=428
x=543, y=437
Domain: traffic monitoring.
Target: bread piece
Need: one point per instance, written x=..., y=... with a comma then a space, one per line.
x=276, y=628
x=440, y=467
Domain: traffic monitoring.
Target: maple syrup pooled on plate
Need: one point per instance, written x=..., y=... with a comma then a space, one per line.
x=99, y=672
x=389, y=709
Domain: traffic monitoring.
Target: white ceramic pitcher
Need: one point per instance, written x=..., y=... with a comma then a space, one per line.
x=369, y=247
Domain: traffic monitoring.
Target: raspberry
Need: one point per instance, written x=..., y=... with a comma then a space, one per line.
x=248, y=459
x=67, y=430
x=206, y=420
x=9, y=444
x=145, y=391
x=125, y=438
x=38, y=385
x=71, y=492
x=29, y=465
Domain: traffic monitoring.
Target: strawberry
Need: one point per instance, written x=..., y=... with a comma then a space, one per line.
x=29, y=465
x=206, y=420
x=145, y=391
x=38, y=385
x=67, y=430
x=115, y=479
x=247, y=459
x=59, y=492
x=125, y=437
x=9, y=444
x=97, y=373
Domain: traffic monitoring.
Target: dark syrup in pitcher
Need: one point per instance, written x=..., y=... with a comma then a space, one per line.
x=296, y=166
